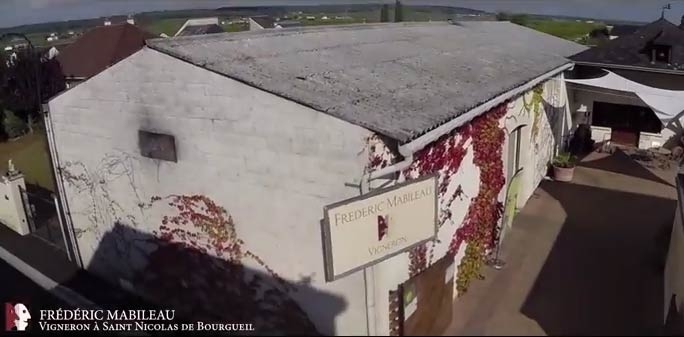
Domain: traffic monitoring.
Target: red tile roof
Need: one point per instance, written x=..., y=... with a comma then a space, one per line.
x=100, y=48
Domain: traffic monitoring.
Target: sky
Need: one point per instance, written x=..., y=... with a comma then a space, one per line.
x=19, y=12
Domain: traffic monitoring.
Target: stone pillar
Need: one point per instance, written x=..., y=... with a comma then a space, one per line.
x=12, y=212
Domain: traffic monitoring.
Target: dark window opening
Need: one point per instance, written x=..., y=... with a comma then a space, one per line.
x=514, y=146
x=625, y=117
x=157, y=146
x=661, y=53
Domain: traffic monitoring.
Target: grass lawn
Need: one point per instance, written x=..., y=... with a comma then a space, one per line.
x=570, y=30
x=30, y=156
x=166, y=26
x=235, y=27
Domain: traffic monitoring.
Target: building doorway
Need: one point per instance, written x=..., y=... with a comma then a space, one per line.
x=625, y=121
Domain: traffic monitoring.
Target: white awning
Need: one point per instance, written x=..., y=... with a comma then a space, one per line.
x=667, y=104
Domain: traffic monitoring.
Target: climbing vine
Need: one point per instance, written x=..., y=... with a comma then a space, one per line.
x=443, y=157
x=379, y=155
x=479, y=228
x=535, y=108
x=199, y=266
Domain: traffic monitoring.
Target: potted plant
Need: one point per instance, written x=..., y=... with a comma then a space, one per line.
x=563, y=167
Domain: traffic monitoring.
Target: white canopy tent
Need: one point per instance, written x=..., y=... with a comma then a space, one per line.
x=667, y=104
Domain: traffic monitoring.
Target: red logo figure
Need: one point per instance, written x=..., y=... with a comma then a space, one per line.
x=16, y=317
x=383, y=226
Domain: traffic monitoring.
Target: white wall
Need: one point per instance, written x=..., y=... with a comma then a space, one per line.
x=271, y=163
x=674, y=266
x=551, y=121
x=12, y=212
x=253, y=25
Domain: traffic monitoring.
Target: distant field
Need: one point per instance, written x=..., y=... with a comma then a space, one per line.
x=235, y=27
x=166, y=26
x=570, y=30
x=320, y=22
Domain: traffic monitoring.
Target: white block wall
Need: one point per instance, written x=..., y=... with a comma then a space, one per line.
x=12, y=213
x=271, y=163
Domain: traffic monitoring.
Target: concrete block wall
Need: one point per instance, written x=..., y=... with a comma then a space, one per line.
x=271, y=163
x=12, y=213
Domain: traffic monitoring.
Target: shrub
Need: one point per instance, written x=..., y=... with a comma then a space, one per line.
x=13, y=125
x=565, y=160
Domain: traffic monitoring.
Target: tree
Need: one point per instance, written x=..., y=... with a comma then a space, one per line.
x=18, y=84
x=384, y=13
x=13, y=126
x=503, y=16
x=398, y=11
x=601, y=32
x=520, y=19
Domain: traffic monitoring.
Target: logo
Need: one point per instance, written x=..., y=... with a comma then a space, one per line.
x=383, y=226
x=17, y=317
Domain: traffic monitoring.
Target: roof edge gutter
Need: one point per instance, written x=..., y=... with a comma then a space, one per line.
x=626, y=67
x=409, y=149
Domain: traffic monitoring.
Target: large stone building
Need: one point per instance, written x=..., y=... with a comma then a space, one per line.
x=195, y=172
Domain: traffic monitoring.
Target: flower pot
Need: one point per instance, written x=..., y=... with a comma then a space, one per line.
x=563, y=173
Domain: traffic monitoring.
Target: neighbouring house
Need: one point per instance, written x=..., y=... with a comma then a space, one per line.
x=261, y=22
x=631, y=89
x=267, y=22
x=287, y=24
x=52, y=37
x=98, y=49
x=205, y=188
x=201, y=26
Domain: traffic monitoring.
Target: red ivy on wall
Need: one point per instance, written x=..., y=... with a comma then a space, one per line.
x=479, y=227
x=198, y=267
x=445, y=157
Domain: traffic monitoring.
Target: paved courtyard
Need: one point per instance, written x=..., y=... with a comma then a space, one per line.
x=584, y=258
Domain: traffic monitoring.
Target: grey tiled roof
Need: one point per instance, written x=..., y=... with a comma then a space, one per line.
x=400, y=80
x=635, y=49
